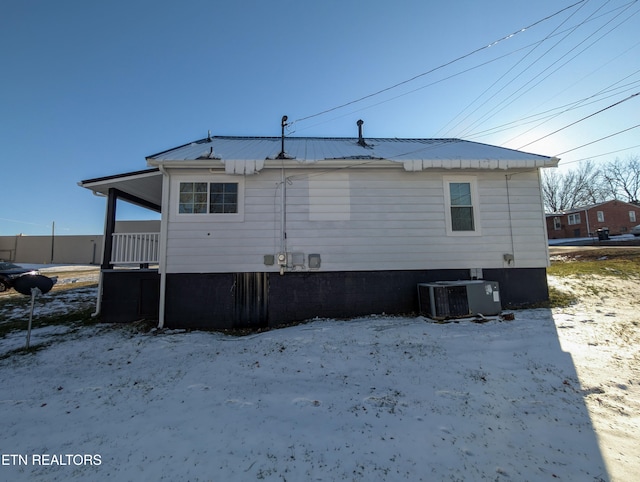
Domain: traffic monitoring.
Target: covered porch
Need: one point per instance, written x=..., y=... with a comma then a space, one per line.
x=129, y=287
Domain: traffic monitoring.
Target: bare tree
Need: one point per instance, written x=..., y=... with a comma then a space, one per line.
x=622, y=179
x=573, y=188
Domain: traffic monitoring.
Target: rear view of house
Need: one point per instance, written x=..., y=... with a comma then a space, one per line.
x=260, y=231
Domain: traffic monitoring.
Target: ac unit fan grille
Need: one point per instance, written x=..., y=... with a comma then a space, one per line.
x=451, y=301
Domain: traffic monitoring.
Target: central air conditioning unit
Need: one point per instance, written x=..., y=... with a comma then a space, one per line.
x=458, y=299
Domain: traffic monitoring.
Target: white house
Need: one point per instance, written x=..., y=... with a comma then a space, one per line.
x=260, y=231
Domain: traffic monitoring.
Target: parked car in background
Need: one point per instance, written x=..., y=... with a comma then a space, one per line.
x=635, y=230
x=9, y=272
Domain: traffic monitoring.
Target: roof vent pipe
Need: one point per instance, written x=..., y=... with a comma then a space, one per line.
x=282, y=155
x=361, y=141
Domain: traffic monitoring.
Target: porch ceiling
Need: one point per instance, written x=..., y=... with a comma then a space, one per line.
x=141, y=187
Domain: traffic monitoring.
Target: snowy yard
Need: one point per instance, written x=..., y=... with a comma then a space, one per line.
x=551, y=395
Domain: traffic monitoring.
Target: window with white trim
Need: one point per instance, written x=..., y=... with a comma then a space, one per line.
x=573, y=219
x=600, y=215
x=208, y=198
x=461, y=206
x=632, y=216
x=557, y=224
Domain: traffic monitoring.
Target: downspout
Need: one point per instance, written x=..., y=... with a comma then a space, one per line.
x=586, y=215
x=162, y=248
x=100, y=276
x=513, y=248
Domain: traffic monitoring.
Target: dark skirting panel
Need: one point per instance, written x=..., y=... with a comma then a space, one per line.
x=130, y=295
x=300, y=296
x=520, y=286
x=254, y=300
x=200, y=300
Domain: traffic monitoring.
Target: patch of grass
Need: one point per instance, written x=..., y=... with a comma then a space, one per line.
x=619, y=263
x=23, y=350
x=72, y=318
x=560, y=299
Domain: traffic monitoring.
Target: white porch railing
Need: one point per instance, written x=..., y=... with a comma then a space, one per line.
x=135, y=248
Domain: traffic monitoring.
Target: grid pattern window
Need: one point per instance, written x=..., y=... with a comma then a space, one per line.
x=208, y=198
x=632, y=216
x=573, y=219
x=461, y=206
x=600, y=216
x=557, y=224
x=193, y=198
x=224, y=198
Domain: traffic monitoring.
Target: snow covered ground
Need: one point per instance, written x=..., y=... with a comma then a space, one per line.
x=547, y=396
x=587, y=240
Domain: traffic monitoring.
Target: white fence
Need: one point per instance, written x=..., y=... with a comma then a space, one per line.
x=135, y=248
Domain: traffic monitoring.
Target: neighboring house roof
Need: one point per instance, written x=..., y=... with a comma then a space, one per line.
x=588, y=207
x=414, y=154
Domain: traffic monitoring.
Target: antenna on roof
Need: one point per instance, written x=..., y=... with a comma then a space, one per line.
x=361, y=141
x=282, y=154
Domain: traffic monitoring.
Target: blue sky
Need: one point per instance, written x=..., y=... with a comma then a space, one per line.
x=89, y=88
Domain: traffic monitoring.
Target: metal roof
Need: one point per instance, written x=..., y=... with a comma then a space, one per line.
x=414, y=154
x=248, y=155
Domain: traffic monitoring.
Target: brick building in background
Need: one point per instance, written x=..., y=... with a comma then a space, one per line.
x=618, y=216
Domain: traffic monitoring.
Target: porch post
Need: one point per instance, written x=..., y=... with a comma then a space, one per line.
x=109, y=228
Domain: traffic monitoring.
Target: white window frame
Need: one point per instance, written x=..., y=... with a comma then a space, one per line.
x=475, y=205
x=195, y=217
x=600, y=215
x=573, y=219
x=632, y=216
x=557, y=223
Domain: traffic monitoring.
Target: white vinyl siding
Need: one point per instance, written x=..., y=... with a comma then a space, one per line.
x=330, y=197
x=397, y=220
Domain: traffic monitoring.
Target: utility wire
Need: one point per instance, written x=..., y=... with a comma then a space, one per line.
x=500, y=107
x=600, y=155
x=507, y=37
x=580, y=120
x=503, y=76
x=598, y=140
x=427, y=85
x=549, y=113
x=533, y=44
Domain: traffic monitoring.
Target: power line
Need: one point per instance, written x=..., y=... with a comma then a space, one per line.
x=427, y=85
x=492, y=44
x=510, y=99
x=598, y=140
x=550, y=35
x=580, y=120
x=549, y=114
x=600, y=155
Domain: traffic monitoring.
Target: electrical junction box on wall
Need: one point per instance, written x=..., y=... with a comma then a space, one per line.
x=314, y=261
x=458, y=299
